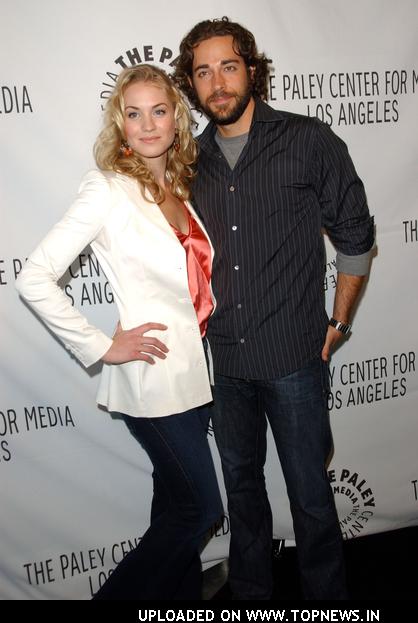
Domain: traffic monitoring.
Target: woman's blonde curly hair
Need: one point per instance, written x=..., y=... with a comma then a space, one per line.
x=107, y=148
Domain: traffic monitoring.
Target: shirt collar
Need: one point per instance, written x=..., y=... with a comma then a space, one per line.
x=263, y=113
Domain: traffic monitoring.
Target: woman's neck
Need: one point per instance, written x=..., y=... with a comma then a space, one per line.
x=158, y=166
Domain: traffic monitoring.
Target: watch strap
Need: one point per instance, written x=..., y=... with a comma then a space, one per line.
x=340, y=326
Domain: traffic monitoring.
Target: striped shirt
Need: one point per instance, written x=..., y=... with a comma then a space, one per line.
x=266, y=217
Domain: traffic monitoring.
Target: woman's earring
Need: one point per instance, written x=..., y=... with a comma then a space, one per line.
x=176, y=143
x=126, y=149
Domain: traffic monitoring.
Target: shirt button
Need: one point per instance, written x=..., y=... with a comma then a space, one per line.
x=232, y=188
x=242, y=340
x=234, y=228
x=239, y=305
x=236, y=267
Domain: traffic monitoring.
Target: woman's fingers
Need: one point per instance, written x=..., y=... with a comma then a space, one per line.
x=135, y=344
x=157, y=352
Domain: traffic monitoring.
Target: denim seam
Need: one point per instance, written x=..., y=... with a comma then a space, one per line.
x=173, y=454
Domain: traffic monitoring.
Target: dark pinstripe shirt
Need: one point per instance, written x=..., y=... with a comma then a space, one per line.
x=265, y=218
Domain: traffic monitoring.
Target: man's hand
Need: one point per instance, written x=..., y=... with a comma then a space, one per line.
x=332, y=337
x=346, y=294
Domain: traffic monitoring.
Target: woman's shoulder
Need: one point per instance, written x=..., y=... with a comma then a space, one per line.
x=100, y=176
x=105, y=181
x=96, y=178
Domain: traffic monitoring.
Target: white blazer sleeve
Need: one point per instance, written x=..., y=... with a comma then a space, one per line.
x=37, y=281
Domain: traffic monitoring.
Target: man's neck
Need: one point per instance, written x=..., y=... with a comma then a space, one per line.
x=242, y=126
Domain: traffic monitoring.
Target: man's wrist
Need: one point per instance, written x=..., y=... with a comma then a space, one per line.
x=343, y=327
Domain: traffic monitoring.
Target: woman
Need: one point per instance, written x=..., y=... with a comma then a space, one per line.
x=134, y=213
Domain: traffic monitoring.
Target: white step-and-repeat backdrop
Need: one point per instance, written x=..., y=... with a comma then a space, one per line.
x=75, y=486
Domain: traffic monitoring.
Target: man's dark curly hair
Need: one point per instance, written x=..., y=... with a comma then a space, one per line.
x=244, y=45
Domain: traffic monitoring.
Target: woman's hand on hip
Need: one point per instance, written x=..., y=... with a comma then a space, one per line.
x=134, y=345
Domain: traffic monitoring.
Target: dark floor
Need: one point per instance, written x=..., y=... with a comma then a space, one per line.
x=379, y=567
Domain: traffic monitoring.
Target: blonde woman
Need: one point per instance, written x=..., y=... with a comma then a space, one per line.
x=135, y=214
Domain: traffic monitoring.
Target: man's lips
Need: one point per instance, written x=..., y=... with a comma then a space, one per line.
x=220, y=99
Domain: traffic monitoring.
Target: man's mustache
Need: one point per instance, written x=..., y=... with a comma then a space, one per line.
x=219, y=93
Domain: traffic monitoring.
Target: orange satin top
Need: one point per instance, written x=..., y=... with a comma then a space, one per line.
x=199, y=270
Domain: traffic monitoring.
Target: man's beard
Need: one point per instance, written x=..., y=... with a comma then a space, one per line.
x=230, y=115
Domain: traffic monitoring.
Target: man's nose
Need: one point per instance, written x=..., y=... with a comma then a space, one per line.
x=218, y=80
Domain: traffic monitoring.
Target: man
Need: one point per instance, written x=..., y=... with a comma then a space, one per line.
x=267, y=183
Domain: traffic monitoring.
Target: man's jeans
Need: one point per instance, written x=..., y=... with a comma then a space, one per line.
x=186, y=503
x=296, y=408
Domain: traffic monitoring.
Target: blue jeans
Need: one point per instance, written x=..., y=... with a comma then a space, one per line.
x=186, y=503
x=296, y=408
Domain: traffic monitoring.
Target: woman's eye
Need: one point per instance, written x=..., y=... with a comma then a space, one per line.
x=160, y=112
x=132, y=115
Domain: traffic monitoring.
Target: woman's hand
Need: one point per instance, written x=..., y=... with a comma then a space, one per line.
x=133, y=345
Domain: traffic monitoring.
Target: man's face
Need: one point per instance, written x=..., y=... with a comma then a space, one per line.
x=221, y=80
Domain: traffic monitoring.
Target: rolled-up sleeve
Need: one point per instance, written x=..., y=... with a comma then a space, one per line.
x=344, y=210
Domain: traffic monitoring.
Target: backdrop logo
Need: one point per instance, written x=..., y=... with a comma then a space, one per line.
x=29, y=419
x=410, y=230
x=221, y=528
x=84, y=282
x=354, y=500
x=68, y=565
x=367, y=381
x=161, y=56
x=14, y=99
x=330, y=278
x=414, y=484
x=348, y=97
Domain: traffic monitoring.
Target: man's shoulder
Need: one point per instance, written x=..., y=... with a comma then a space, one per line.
x=295, y=119
x=266, y=112
x=310, y=128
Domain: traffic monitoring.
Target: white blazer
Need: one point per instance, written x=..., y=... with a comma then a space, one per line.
x=146, y=267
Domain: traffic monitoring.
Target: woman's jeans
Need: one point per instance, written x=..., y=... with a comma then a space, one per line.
x=186, y=503
x=296, y=408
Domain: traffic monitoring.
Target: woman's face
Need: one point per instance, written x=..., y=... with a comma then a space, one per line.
x=149, y=120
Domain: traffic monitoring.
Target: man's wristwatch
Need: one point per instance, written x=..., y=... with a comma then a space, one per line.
x=340, y=326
